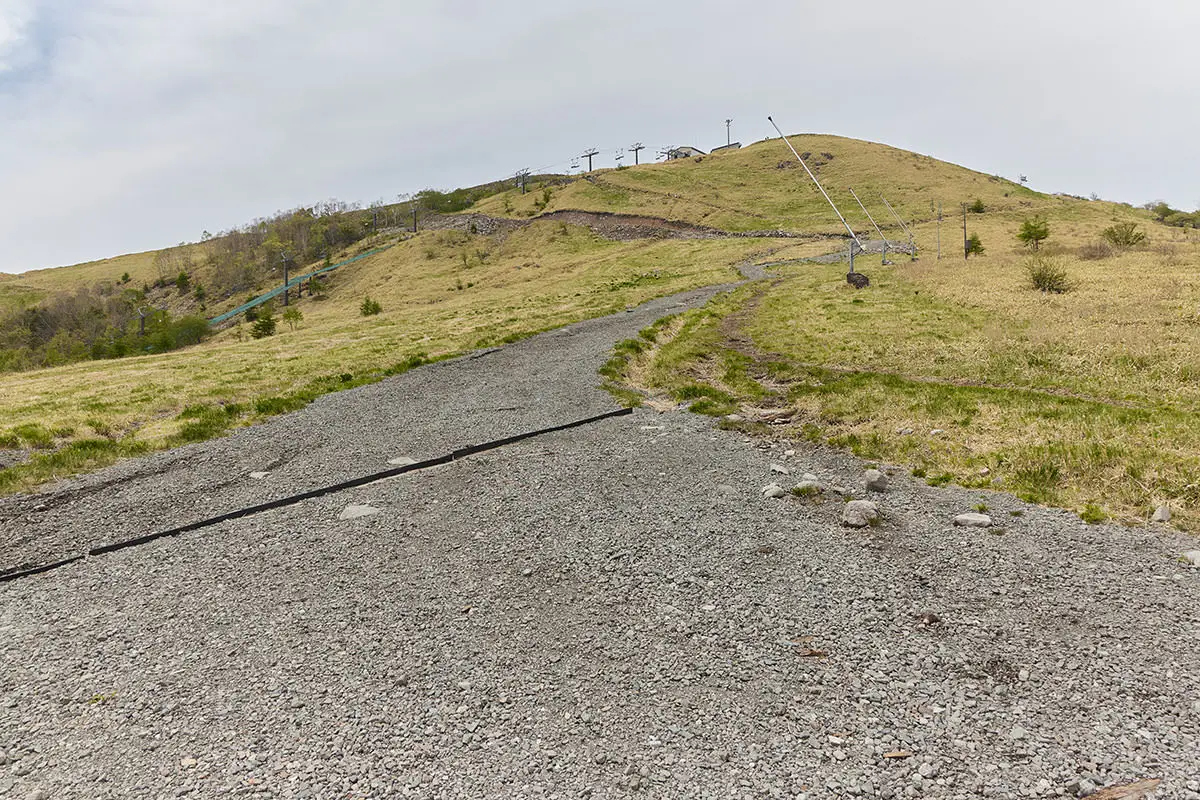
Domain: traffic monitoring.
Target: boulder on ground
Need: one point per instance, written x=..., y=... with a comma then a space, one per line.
x=875, y=481
x=973, y=520
x=859, y=513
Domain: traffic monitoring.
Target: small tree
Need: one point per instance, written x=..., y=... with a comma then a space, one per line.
x=977, y=207
x=292, y=317
x=369, y=307
x=125, y=277
x=183, y=282
x=264, y=325
x=1123, y=234
x=316, y=288
x=974, y=245
x=1034, y=231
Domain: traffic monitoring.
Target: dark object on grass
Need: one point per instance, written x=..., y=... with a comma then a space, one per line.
x=858, y=280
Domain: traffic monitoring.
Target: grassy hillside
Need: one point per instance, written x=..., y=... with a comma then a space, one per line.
x=762, y=187
x=1085, y=399
x=442, y=293
x=964, y=372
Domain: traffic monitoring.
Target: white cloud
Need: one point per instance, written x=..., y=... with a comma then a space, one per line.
x=130, y=124
x=15, y=17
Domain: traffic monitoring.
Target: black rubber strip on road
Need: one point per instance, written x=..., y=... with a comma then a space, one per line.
x=283, y=502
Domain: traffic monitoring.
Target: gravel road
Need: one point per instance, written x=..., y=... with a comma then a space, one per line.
x=609, y=611
x=537, y=383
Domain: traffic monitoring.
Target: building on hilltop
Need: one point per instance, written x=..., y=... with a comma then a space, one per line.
x=674, y=153
x=731, y=146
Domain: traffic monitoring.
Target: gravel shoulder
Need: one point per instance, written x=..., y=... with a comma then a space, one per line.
x=610, y=611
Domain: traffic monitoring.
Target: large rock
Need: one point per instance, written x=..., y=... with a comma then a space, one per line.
x=973, y=520
x=875, y=481
x=774, y=490
x=1192, y=557
x=859, y=513
x=1161, y=514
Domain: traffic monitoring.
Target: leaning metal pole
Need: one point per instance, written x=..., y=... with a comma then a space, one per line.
x=897, y=216
x=873, y=222
x=819, y=186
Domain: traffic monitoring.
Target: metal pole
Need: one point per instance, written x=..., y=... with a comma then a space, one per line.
x=883, y=260
x=966, y=252
x=818, y=183
x=414, y=212
x=939, y=230
x=897, y=216
x=285, y=280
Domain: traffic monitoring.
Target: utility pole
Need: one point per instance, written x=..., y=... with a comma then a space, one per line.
x=939, y=230
x=635, y=147
x=966, y=247
x=728, y=139
x=873, y=222
x=522, y=175
x=284, y=256
x=414, y=215
x=588, y=155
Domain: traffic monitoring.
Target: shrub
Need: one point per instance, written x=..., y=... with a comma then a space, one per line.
x=369, y=307
x=1094, y=251
x=977, y=207
x=1033, y=232
x=1092, y=514
x=292, y=317
x=183, y=282
x=975, y=245
x=1048, y=275
x=1123, y=234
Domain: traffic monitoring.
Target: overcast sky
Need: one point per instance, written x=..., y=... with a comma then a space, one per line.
x=128, y=125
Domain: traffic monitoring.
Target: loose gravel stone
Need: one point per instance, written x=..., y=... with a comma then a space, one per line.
x=1161, y=514
x=774, y=490
x=780, y=469
x=1192, y=557
x=357, y=511
x=859, y=514
x=402, y=461
x=875, y=481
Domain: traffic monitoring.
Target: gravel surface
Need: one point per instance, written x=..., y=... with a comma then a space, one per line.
x=537, y=383
x=610, y=611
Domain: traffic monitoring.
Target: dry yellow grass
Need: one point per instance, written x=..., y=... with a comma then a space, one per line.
x=442, y=292
x=1086, y=399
